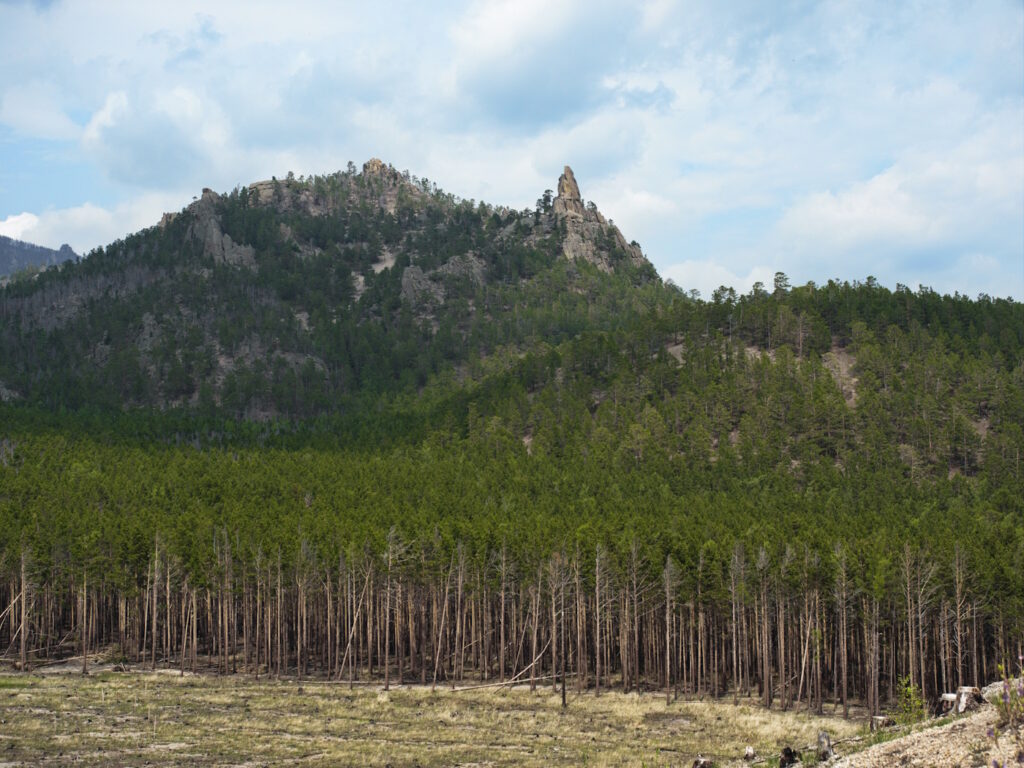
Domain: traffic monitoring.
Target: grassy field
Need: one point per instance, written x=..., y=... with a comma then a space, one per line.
x=117, y=718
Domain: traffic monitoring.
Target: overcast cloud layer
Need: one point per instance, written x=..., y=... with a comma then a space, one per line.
x=730, y=139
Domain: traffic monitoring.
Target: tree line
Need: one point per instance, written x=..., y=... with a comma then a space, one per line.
x=483, y=564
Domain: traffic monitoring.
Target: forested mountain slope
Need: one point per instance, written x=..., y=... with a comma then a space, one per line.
x=442, y=437
x=19, y=256
x=282, y=297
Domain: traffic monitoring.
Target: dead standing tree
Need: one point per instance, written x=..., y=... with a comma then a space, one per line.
x=670, y=580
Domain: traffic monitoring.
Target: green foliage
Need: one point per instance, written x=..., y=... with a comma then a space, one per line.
x=1009, y=703
x=526, y=399
x=910, y=705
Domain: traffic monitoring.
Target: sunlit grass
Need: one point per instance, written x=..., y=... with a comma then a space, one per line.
x=141, y=718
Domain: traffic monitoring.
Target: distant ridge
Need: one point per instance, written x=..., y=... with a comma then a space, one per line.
x=16, y=255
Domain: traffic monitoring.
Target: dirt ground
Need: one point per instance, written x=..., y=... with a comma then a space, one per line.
x=968, y=741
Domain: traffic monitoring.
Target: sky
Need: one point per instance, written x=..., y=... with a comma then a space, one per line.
x=732, y=140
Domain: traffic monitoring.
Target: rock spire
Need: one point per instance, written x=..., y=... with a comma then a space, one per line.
x=588, y=235
x=568, y=200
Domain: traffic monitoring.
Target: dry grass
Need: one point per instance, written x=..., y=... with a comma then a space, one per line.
x=146, y=719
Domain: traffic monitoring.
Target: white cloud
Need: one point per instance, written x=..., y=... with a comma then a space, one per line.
x=500, y=29
x=655, y=13
x=951, y=204
x=707, y=276
x=173, y=137
x=114, y=109
x=16, y=225
x=87, y=226
x=882, y=209
x=34, y=110
x=818, y=139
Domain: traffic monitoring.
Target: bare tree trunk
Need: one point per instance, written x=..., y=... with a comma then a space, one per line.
x=925, y=594
x=960, y=611
x=501, y=607
x=184, y=627
x=766, y=655
x=440, y=632
x=534, y=628
x=387, y=614
x=735, y=578
x=635, y=569
x=156, y=582
x=554, y=578
x=670, y=585
x=597, y=619
x=145, y=615
x=280, y=637
x=459, y=629
x=842, y=600
x=195, y=636
x=84, y=621
x=562, y=635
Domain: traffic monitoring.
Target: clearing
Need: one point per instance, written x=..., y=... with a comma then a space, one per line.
x=161, y=719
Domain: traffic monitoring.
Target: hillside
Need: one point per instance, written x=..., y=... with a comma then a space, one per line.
x=281, y=297
x=501, y=437
x=17, y=256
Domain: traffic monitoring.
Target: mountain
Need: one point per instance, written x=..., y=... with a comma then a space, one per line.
x=283, y=296
x=16, y=255
x=360, y=385
x=377, y=308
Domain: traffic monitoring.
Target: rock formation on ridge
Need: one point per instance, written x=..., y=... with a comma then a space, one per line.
x=588, y=235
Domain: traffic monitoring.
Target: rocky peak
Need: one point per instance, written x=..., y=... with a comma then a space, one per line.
x=588, y=235
x=568, y=189
x=568, y=201
x=375, y=168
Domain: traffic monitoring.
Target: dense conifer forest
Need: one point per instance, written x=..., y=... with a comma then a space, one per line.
x=353, y=427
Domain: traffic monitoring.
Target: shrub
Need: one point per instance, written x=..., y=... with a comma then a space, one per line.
x=1010, y=705
x=910, y=707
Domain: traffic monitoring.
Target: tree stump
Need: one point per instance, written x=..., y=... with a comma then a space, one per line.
x=968, y=698
x=789, y=756
x=825, y=751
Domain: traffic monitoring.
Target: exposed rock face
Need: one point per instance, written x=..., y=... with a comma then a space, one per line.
x=568, y=201
x=385, y=184
x=424, y=288
x=418, y=289
x=466, y=265
x=588, y=235
x=7, y=395
x=264, y=191
x=286, y=196
x=216, y=243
